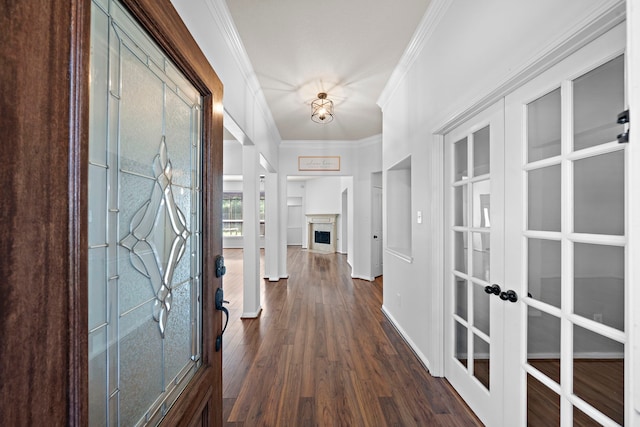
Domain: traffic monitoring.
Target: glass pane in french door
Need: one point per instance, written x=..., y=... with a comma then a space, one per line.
x=144, y=225
x=575, y=250
x=544, y=141
x=591, y=123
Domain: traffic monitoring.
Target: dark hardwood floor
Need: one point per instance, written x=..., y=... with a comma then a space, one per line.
x=323, y=354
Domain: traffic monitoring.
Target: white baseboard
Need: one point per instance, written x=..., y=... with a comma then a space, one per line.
x=274, y=279
x=421, y=357
x=368, y=278
x=253, y=315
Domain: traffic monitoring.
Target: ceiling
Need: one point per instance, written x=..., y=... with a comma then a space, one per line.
x=346, y=48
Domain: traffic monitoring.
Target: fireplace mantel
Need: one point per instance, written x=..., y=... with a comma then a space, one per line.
x=321, y=218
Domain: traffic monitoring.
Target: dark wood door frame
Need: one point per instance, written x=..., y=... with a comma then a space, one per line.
x=44, y=102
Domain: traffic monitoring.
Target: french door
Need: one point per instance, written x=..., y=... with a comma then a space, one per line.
x=555, y=339
x=474, y=246
x=566, y=236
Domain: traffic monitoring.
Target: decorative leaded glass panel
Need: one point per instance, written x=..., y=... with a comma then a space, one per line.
x=144, y=224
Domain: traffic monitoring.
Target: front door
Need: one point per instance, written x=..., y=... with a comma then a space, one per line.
x=150, y=239
x=537, y=248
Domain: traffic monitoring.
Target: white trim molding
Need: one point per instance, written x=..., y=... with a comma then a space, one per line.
x=399, y=255
x=362, y=277
x=252, y=315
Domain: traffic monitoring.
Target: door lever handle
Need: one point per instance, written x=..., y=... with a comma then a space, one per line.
x=219, y=306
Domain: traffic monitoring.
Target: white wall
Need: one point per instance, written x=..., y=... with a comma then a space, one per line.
x=323, y=195
x=232, y=158
x=468, y=50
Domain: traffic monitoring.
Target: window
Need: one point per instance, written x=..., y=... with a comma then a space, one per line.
x=232, y=214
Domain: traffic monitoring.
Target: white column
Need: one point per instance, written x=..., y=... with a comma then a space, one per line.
x=251, y=232
x=282, y=241
x=272, y=227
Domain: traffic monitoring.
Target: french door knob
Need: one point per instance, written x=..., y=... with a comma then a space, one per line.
x=509, y=295
x=492, y=289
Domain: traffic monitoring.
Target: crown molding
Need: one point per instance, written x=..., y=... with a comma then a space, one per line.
x=221, y=15
x=427, y=26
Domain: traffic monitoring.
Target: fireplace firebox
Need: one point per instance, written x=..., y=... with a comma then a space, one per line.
x=322, y=237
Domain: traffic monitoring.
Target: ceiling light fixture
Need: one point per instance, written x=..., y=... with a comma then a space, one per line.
x=322, y=109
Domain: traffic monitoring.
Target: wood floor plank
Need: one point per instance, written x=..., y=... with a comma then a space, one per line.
x=323, y=354
x=390, y=411
x=306, y=412
x=367, y=402
x=287, y=410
